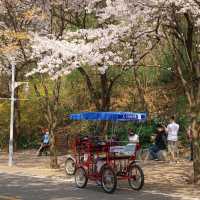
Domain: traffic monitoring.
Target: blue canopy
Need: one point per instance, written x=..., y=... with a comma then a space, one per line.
x=110, y=116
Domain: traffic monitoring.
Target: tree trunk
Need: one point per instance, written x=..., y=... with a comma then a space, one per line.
x=105, y=107
x=105, y=101
x=141, y=92
x=53, y=152
x=196, y=151
x=196, y=162
x=51, y=108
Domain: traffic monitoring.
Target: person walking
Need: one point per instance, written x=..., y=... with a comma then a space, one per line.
x=172, y=138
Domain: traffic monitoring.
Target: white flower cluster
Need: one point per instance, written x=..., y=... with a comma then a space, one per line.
x=180, y=7
x=115, y=43
x=93, y=47
x=127, y=28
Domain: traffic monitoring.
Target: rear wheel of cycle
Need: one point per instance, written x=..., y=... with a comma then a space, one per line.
x=70, y=166
x=81, y=178
x=108, y=179
x=135, y=177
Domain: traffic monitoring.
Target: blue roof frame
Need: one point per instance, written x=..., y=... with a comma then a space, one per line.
x=110, y=116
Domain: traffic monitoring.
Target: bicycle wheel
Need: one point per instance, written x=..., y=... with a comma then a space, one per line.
x=81, y=178
x=108, y=179
x=135, y=177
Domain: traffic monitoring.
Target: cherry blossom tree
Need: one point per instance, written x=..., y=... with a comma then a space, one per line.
x=115, y=39
x=125, y=31
x=118, y=39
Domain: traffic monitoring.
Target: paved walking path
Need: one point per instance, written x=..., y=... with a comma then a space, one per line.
x=31, y=178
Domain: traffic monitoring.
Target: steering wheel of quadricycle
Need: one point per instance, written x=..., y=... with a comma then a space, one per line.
x=70, y=166
x=81, y=177
x=108, y=179
x=135, y=176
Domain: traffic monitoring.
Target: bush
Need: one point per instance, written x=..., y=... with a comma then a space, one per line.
x=4, y=140
x=28, y=139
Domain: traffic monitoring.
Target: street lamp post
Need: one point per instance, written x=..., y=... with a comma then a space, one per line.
x=10, y=162
x=12, y=107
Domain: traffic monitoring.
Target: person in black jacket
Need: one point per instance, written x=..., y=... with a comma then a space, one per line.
x=160, y=142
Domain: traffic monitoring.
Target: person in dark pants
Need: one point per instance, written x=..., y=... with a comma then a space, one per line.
x=160, y=142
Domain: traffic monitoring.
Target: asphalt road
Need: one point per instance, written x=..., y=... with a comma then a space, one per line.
x=21, y=187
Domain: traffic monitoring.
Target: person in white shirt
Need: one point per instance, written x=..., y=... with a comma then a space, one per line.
x=132, y=137
x=172, y=138
x=133, y=141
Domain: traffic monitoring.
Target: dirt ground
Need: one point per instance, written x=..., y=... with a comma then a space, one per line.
x=165, y=177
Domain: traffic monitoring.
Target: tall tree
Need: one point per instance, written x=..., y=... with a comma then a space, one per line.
x=111, y=41
x=18, y=19
x=15, y=19
x=180, y=22
x=107, y=42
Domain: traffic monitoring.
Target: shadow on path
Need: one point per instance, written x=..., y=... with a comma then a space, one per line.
x=28, y=188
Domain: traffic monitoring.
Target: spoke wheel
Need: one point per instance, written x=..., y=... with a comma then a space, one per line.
x=108, y=180
x=81, y=178
x=70, y=166
x=135, y=177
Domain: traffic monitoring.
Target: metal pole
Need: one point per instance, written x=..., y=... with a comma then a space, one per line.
x=10, y=162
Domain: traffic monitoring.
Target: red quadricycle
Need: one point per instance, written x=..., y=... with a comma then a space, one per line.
x=107, y=161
